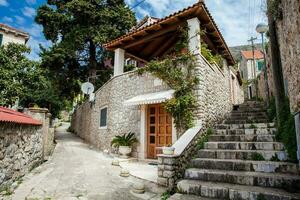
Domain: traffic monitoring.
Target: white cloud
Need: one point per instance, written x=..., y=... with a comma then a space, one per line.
x=31, y=2
x=7, y=19
x=28, y=12
x=235, y=19
x=34, y=30
x=20, y=20
x=3, y=3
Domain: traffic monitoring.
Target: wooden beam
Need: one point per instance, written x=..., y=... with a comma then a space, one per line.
x=135, y=57
x=164, y=47
x=150, y=37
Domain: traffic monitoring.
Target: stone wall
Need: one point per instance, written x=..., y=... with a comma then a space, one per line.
x=213, y=95
x=214, y=92
x=20, y=150
x=288, y=30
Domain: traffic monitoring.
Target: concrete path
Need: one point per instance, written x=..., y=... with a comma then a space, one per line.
x=76, y=171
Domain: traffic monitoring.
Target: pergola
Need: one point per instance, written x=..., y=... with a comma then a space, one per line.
x=156, y=40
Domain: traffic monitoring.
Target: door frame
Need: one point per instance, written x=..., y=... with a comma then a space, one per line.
x=143, y=148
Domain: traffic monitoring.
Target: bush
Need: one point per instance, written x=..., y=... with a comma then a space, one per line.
x=124, y=140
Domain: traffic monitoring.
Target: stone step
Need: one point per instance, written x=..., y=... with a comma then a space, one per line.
x=246, y=131
x=233, y=192
x=243, y=138
x=273, y=180
x=178, y=196
x=245, y=126
x=245, y=165
x=246, y=114
x=247, y=118
x=245, y=121
x=245, y=145
x=241, y=154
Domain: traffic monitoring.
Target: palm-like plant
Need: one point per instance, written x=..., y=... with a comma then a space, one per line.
x=124, y=140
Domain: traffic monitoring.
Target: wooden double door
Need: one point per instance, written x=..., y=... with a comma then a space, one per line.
x=159, y=129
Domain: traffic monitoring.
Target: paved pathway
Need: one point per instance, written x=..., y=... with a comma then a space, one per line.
x=76, y=172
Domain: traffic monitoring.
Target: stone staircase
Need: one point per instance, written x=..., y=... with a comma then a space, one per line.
x=241, y=161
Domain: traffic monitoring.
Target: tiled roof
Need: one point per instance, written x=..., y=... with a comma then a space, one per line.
x=135, y=32
x=11, y=116
x=249, y=54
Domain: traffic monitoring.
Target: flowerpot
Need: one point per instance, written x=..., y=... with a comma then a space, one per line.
x=168, y=150
x=124, y=151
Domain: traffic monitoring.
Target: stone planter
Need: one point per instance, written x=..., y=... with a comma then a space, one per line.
x=168, y=150
x=124, y=151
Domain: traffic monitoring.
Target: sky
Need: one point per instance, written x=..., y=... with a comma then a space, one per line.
x=236, y=19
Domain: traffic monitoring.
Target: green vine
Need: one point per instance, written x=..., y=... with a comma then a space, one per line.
x=275, y=9
x=210, y=57
x=178, y=74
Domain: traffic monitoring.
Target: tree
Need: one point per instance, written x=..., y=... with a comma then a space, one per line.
x=24, y=80
x=78, y=28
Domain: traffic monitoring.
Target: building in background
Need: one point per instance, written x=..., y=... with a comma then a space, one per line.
x=11, y=35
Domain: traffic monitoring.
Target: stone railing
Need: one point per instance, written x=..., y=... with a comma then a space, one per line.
x=171, y=167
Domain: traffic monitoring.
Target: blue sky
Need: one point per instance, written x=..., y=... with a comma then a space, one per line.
x=235, y=18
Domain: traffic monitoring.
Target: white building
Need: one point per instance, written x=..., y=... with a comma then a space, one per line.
x=249, y=69
x=11, y=35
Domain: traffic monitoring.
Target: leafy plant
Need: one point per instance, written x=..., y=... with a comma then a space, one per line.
x=124, y=140
x=204, y=138
x=275, y=158
x=210, y=57
x=165, y=196
x=257, y=156
x=253, y=126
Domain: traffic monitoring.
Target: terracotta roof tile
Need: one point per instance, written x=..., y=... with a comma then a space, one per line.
x=249, y=54
x=11, y=116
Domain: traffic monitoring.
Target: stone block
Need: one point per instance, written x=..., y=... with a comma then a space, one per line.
x=162, y=181
x=168, y=174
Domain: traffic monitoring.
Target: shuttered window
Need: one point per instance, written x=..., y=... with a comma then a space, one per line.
x=103, y=117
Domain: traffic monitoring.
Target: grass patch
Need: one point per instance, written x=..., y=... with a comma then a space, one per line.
x=257, y=157
x=6, y=190
x=165, y=195
x=204, y=138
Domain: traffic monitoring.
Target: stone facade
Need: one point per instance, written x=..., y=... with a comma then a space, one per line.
x=213, y=96
x=21, y=148
x=120, y=119
x=288, y=31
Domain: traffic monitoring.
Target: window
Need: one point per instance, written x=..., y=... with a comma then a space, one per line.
x=103, y=117
x=1, y=39
x=260, y=65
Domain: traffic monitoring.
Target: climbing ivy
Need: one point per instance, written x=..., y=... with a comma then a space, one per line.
x=210, y=57
x=178, y=73
x=275, y=9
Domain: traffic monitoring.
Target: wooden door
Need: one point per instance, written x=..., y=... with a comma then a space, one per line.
x=159, y=129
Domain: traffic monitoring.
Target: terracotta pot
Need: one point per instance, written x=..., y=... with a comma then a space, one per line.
x=168, y=150
x=124, y=151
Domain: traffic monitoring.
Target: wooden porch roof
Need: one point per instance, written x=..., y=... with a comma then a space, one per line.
x=156, y=39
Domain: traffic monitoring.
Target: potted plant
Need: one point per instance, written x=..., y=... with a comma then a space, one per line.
x=124, y=143
x=168, y=150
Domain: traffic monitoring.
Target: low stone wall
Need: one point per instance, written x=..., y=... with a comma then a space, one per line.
x=21, y=148
x=171, y=168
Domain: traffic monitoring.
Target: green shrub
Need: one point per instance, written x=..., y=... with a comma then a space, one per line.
x=165, y=196
x=257, y=156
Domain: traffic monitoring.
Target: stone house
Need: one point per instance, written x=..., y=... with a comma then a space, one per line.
x=129, y=102
x=11, y=35
x=251, y=69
